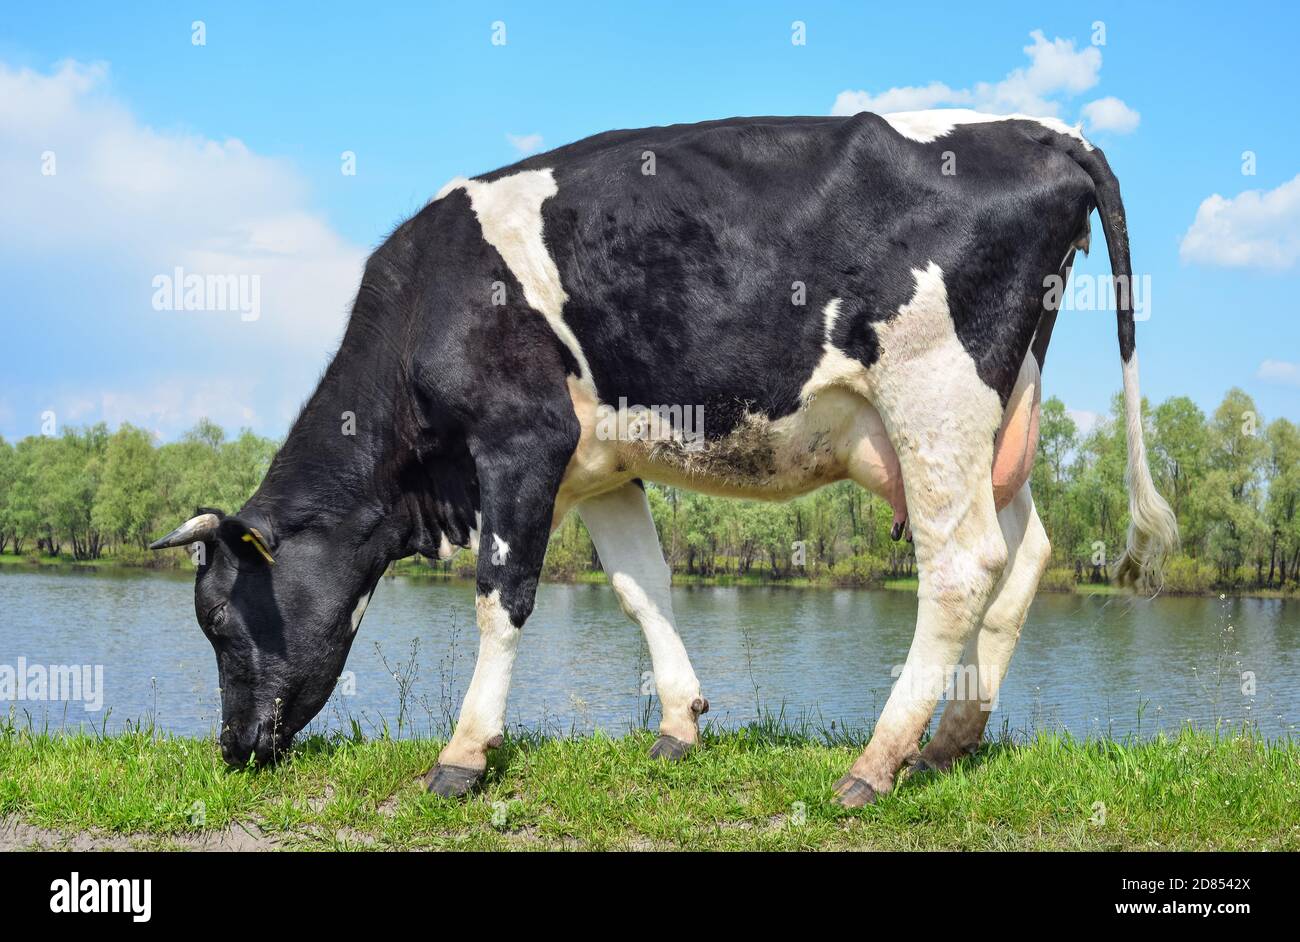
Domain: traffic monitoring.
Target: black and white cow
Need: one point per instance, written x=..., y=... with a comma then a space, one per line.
x=858, y=298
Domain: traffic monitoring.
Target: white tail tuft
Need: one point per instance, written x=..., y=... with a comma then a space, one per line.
x=1153, y=529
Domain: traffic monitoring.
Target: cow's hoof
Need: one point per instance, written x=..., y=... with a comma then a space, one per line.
x=853, y=792
x=452, y=781
x=923, y=767
x=937, y=762
x=931, y=765
x=669, y=748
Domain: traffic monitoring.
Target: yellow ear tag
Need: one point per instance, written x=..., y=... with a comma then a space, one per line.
x=252, y=536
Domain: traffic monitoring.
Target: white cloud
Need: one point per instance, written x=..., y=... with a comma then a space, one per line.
x=1256, y=229
x=906, y=98
x=149, y=201
x=127, y=202
x=170, y=404
x=1110, y=114
x=525, y=143
x=1084, y=420
x=1279, y=371
x=1056, y=69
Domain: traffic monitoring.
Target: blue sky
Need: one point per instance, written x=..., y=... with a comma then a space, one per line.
x=226, y=157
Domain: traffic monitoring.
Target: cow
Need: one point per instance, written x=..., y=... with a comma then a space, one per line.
x=856, y=298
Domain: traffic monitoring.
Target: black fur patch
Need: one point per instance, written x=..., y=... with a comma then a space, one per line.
x=680, y=283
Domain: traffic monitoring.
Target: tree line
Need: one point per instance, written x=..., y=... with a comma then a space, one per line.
x=88, y=492
x=1232, y=479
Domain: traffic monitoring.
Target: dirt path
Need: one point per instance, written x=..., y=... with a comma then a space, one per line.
x=18, y=835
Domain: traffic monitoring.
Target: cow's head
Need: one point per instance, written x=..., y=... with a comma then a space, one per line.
x=281, y=610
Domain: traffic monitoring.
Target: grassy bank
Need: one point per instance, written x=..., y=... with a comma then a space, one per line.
x=27, y=561
x=756, y=789
x=1053, y=581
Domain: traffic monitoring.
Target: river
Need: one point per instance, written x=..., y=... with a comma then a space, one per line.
x=1093, y=665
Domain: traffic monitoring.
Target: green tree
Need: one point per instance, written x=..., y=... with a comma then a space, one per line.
x=8, y=477
x=1058, y=442
x=22, y=506
x=1283, y=507
x=127, y=498
x=61, y=480
x=1231, y=490
x=189, y=475
x=1098, y=496
x=242, y=465
x=1179, y=452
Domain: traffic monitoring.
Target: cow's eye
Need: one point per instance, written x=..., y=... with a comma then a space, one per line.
x=217, y=617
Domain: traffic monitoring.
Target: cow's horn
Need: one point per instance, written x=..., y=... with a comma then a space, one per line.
x=202, y=527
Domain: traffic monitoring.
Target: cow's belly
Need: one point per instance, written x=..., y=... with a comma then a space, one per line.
x=837, y=435
x=760, y=459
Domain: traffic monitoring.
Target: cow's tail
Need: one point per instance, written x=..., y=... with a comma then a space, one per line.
x=1153, y=529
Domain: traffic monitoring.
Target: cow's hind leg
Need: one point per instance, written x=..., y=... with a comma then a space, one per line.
x=624, y=534
x=984, y=664
x=941, y=419
x=517, y=495
x=960, y=556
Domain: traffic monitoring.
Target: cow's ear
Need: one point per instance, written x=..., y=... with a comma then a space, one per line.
x=201, y=528
x=248, y=537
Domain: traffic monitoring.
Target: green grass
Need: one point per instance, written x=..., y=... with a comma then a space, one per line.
x=762, y=788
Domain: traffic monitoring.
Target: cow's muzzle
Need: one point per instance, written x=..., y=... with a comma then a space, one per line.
x=259, y=744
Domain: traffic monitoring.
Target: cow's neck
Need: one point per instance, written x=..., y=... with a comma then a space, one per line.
x=341, y=464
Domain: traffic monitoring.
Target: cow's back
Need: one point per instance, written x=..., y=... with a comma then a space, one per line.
x=696, y=261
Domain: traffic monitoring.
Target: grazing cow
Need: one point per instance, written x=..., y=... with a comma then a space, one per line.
x=858, y=298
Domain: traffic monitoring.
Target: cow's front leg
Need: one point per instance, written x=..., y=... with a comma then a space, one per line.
x=481, y=726
x=624, y=533
x=517, y=493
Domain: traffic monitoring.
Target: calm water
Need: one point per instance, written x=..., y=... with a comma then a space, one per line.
x=1092, y=665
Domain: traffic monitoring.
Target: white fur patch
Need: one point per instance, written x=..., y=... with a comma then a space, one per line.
x=474, y=533
x=927, y=126
x=830, y=314
x=835, y=368
x=483, y=714
x=939, y=414
x=923, y=332
x=510, y=213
